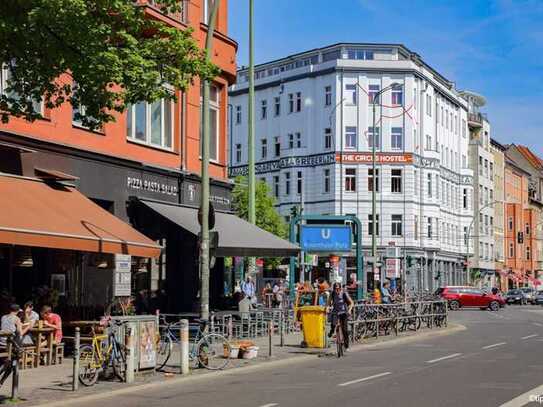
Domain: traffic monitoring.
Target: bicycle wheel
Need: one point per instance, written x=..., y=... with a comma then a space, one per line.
x=213, y=351
x=339, y=341
x=118, y=361
x=88, y=365
x=163, y=351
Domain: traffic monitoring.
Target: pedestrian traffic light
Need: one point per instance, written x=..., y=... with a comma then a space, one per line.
x=409, y=261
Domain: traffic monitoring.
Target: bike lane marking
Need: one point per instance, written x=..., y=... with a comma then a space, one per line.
x=531, y=396
x=269, y=405
x=364, y=379
x=494, y=345
x=529, y=336
x=443, y=358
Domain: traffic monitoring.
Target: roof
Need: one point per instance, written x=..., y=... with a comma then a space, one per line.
x=530, y=156
x=497, y=144
x=56, y=216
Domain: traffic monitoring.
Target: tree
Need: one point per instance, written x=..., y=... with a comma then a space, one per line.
x=267, y=217
x=100, y=54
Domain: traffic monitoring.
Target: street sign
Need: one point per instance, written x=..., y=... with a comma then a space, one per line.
x=326, y=238
x=392, y=268
x=122, y=277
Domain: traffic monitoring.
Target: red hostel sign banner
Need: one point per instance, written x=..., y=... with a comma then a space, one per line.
x=381, y=158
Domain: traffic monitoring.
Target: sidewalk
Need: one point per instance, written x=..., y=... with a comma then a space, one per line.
x=54, y=384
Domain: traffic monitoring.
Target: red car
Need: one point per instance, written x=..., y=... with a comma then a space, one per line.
x=464, y=296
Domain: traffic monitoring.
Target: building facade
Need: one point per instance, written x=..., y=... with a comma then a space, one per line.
x=314, y=135
x=500, y=277
x=151, y=152
x=481, y=161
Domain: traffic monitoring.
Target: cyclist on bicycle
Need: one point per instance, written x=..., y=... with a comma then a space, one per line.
x=340, y=306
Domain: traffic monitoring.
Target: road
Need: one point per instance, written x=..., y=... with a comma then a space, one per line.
x=497, y=358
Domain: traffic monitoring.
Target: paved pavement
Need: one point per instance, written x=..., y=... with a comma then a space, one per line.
x=497, y=360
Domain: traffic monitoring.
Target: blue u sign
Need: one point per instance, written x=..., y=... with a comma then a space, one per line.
x=325, y=238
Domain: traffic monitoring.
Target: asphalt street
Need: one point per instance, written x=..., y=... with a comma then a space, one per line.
x=497, y=360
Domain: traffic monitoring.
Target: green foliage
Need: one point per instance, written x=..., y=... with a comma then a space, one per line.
x=109, y=48
x=267, y=217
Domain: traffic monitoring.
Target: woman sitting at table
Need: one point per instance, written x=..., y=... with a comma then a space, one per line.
x=52, y=320
x=29, y=320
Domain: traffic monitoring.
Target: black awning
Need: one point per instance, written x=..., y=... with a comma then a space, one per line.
x=237, y=237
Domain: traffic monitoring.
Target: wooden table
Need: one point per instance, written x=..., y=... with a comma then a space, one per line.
x=37, y=335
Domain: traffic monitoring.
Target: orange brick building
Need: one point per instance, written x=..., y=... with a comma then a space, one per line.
x=150, y=153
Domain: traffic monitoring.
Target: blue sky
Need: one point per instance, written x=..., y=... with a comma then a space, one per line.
x=491, y=47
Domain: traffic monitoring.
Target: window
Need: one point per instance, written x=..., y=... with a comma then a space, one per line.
x=287, y=183
x=464, y=126
x=277, y=106
x=299, y=183
x=429, y=182
x=350, y=180
x=464, y=161
x=350, y=94
x=480, y=166
x=263, y=109
x=491, y=171
x=291, y=141
x=527, y=228
x=206, y=10
x=397, y=96
x=328, y=138
x=152, y=124
x=5, y=76
x=327, y=96
x=298, y=101
x=277, y=145
x=353, y=53
x=214, y=93
x=429, y=105
x=416, y=237
x=276, y=185
x=372, y=137
x=486, y=168
x=396, y=181
x=428, y=142
x=528, y=253
x=396, y=138
x=429, y=227
x=373, y=90
x=510, y=223
x=298, y=140
x=350, y=136
x=291, y=103
x=465, y=199
x=416, y=186
x=326, y=180
x=397, y=225
x=370, y=180
x=511, y=250
x=465, y=235
x=370, y=224
x=238, y=153
x=238, y=114
x=264, y=148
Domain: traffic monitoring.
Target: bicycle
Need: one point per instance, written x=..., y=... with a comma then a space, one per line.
x=104, y=352
x=11, y=363
x=340, y=339
x=208, y=350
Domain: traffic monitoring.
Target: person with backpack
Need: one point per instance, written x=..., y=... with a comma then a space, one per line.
x=340, y=305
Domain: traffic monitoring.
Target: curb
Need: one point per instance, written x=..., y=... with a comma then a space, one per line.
x=452, y=328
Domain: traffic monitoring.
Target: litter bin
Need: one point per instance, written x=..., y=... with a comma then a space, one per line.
x=313, y=326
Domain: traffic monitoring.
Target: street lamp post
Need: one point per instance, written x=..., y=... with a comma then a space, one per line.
x=375, y=98
x=251, y=131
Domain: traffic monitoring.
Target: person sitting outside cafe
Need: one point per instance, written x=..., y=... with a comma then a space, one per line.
x=29, y=319
x=52, y=320
x=248, y=289
x=11, y=323
x=278, y=293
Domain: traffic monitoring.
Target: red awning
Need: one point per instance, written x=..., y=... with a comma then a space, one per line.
x=35, y=213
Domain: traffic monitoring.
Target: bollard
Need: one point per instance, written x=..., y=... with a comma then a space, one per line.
x=281, y=330
x=130, y=352
x=270, y=334
x=77, y=343
x=184, y=346
x=230, y=328
x=15, y=375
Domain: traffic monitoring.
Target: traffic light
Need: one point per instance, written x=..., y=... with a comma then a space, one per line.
x=409, y=261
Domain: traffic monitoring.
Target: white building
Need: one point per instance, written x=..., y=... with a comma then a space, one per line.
x=481, y=160
x=313, y=142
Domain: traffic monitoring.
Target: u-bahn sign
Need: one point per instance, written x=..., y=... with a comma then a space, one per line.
x=326, y=238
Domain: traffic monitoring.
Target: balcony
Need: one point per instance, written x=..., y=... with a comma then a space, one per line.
x=475, y=120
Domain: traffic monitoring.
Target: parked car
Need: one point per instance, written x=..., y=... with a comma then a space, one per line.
x=463, y=296
x=539, y=298
x=529, y=293
x=516, y=296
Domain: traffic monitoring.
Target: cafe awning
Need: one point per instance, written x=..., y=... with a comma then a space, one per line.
x=237, y=237
x=52, y=215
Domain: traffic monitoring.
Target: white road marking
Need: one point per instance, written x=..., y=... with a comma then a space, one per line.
x=494, y=345
x=269, y=405
x=525, y=398
x=364, y=379
x=537, y=324
x=443, y=358
x=529, y=336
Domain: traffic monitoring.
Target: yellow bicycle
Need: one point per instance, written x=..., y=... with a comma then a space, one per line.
x=103, y=353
